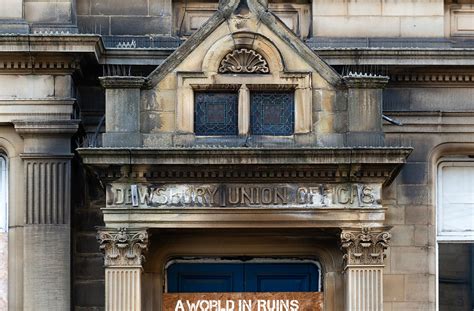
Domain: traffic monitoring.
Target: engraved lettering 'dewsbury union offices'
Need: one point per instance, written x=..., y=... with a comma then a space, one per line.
x=121, y=195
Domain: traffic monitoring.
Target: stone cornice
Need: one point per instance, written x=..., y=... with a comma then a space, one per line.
x=448, y=77
x=48, y=127
x=120, y=82
x=44, y=64
x=431, y=122
x=275, y=165
x=365, y=81
x=15, y=109
x=49, y=44
x=397, y=56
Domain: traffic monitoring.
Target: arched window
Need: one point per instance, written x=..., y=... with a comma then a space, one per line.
x=3, y=194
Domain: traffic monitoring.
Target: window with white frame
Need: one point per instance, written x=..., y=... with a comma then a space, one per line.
x=3, y=194
x=455, y=235
x=456, y=200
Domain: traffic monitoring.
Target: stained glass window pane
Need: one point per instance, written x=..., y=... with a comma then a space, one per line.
x=272, y=113
x=215, y=113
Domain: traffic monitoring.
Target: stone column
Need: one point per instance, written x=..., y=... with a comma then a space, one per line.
x=46, y=249
x=363, y=272
x=123, y=257
x=122, y=111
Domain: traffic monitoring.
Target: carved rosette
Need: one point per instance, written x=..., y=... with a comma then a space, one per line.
x=123, y=247
x=364, y=247
x=243, y=61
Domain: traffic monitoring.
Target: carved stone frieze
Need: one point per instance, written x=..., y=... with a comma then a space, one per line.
x=243, y=61
x=123, y=247
x=364, y=247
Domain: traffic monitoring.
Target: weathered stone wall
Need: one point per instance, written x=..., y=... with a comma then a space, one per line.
x=434, y=127
x=88, y=262
x=122, y=17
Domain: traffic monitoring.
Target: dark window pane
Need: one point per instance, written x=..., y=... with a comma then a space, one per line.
x=456, y=276
x=215, y=113
x=272, y=113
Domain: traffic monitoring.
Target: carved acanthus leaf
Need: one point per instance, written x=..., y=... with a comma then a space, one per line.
x=123, y=247
x=243, y=61
x=364, y=247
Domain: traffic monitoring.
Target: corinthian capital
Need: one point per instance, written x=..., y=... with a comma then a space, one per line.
x=365, y=246
x=123, y=247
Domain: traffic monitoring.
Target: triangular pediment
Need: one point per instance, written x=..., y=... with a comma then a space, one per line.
x=249, y=19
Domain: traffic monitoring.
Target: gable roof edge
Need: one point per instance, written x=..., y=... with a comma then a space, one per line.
x=275, y=24
x=175, y=58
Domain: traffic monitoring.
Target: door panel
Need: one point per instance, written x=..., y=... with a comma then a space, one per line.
x=242, y=277
x=285, y=277
x=205, y=278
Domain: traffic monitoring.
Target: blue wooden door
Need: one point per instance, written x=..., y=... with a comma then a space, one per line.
x=242, y=277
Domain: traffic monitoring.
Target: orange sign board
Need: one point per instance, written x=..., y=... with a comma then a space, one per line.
x=243, y=302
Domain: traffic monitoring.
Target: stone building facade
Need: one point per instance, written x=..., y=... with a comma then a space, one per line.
x=156, y=148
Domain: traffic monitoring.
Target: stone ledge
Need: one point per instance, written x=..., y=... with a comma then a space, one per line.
x=120, y=82
x=61, y=127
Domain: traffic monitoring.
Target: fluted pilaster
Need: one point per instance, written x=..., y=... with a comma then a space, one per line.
x=47, y=188
x=363, y=273
x=123, y=257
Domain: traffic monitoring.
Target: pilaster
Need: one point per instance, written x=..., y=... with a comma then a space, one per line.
x=122, y=111
x=363, y=272
x=365, y=109
x=123, y=257
x=47, y=174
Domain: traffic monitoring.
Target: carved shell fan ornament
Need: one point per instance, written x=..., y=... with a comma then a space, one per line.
x=243, y=61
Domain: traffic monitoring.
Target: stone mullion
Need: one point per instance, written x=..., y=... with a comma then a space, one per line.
x=123, y=257
x=363, y=271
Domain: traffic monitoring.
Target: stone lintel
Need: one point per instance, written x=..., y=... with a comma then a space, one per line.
x=121, y=82
x=238, y=218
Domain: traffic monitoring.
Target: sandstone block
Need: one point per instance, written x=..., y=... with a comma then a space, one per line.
x=119, y=7
x=419, y=214
x=356, y=26
x=59, y=12
x=11, y=9
x=365, y=7
x=432, y=26
x=125, y=25
x=329, y=7
x=93, y=24
x=403, y=235
x=393, y=287
x=407, y=260
x=413, y=7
